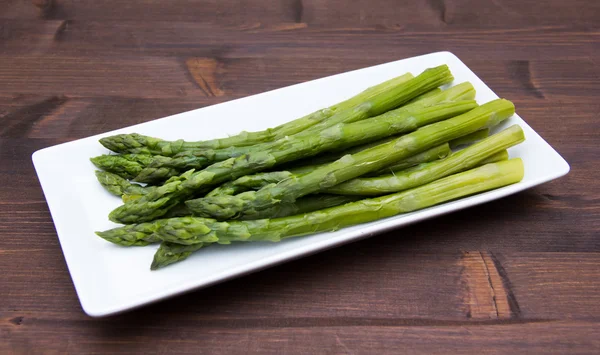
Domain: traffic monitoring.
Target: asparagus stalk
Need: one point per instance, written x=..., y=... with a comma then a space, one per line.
x=303, y=205
x=429, y=79
x=351, y=166
x=307, y=165
x=470, y=138
x=169, y=253
x=401, y=180
x=503, y=155
x=427, y=172
x=140, y=234
x=118, y=186
x=432, y=154
x=137, y=143
x=126, y=166
x=156, y=203
x=251, y=182
x=139, y=191
x=144, y=233
x=260, y=180
x=460, y=92
x=426, y=95
x=192, y=230
x=390, y=123
x=163, y=168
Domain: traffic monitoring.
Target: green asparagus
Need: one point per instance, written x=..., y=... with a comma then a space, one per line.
x=156, y=203
x=169, y=253
x=423, y=83
x=144, y=233
x=503, y=155
x=460, y=92
x=118, y=186
x=470, y=138
x=139, y=191
x=350, y=166
x=390, y=123
x=137, y=143
x=163, y=167
x=427, y=172
x=432, y=154
x=260, y=180
x=126, y=166
x=426, y=95
x=192, y=230
x=251, y=182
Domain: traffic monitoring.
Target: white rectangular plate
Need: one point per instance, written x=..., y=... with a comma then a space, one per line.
x=111, y=279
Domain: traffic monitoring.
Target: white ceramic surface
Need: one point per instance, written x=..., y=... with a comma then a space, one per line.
x=111, y=279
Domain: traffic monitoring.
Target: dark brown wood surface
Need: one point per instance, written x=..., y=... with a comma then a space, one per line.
x=521, y=274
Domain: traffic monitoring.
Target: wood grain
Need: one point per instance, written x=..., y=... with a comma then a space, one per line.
x=332, y=13
x=516, y=275
x=292, y=40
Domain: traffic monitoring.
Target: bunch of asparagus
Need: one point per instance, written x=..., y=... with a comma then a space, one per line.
x=396, y=147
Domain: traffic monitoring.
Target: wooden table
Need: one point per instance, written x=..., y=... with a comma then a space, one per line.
x=519, y=274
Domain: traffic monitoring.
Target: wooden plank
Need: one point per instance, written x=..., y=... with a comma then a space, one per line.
x=555, y=285
x=72, y=118
x=211, y=11
x=162, y=77
x=448, y=13
x=293, y=40
x=188, y=335
x=330, y=13
x=81, y=76
x=376, y=286
x=59, y=116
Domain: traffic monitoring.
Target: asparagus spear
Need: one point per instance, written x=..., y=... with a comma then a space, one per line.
x=250, y=182
x=390, y=123
x=137, y=143
x=118, y=186
x=159, y=201
x=351, y=166
x=429, y=79
x=162, y=168
x=260, y=180
x=432, y=154
x=307, y=165
x=426, y=95
x=424, y=173
x=470, y=138
x=169, y=253
x=126, y=166
x=139, y=191
x=140, y=234
x=401, y=180
x=192, y=230
x=503, y=155
x=144, y=233
x=460, y=92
